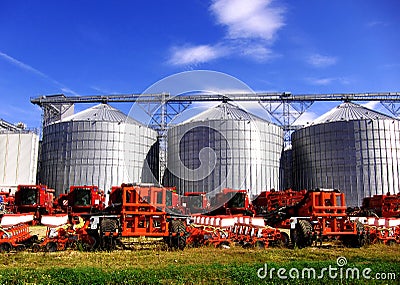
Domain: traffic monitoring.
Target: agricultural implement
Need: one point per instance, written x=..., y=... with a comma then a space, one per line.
x=138, y=211
x=381, y=230
x=320, y=215
x=385, y=206
x=62, y=234
x=223, y=230
x=15, y=233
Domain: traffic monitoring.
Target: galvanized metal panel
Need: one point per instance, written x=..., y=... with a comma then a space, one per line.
x=103, y=153
x=247, y=151
x=360, y=157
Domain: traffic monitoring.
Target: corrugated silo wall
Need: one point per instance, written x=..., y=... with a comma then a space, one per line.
x=361, y=158
x=247, y=156
x=94, y=153
x=18, y=159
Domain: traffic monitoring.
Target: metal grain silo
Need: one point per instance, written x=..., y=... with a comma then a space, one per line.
x=224, y=147
x=18, y=156
x=98, y=146
x=351, y=148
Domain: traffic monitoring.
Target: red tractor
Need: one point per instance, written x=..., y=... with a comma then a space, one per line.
x=231, y=202
x=35, y=199
x=194, y=202
x=138, y=211
x=82, y=200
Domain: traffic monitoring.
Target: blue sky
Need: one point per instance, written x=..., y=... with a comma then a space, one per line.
x=106, y=47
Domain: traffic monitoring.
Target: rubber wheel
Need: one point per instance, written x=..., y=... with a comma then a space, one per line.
x=303, y=234
x=5, y=247
x=178, y=241
x=259, y=244
x=358, y=240
x=20, y=248
x=36, y=248
x=108, y=226
x=51, y=246
x=284, y=241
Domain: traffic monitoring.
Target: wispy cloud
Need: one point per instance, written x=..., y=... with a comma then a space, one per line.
x=22, y=65
x=196, y=54
x=30, y=69
x=373, y=24
x=318, y=60
x=251, y=27
x=327, y=80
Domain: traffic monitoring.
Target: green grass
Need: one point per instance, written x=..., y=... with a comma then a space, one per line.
x=192, y=266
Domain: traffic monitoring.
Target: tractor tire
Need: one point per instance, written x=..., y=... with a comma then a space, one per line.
x=179, y=240
x=5, y=247
x=108, y=226
x=36, y=248
x=284, y=241
x=259, y=244
x=303, y=234
x=51, y=246
x=358, y=240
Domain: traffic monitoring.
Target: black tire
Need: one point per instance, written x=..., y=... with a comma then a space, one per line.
x=5, y=247
x=36, y=248
x=284, y=241
x=20, y=248
x=259, y=244
x=358, y=240
x=51, y=246
x=303, y=234
x=178, y=241
x=108, y=226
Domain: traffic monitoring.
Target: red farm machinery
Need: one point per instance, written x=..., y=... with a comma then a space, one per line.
x=313, y=217
x=139, y=211
x=231, y=221
x=81, y=200
x=35, y=199
x=15, y=232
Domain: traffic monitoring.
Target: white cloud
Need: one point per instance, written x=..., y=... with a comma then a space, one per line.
x=30, y=69
x=249, y=19
x=305, y=119
x=22, y=65
x=257, y=52
x=319, y=60
x=195, y=54
x=327, y=80
x=66, y=90
x=251, y=28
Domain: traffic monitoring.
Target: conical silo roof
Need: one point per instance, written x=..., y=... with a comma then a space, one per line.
x=225, y=111
x=103, y=113
x=348, y=111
